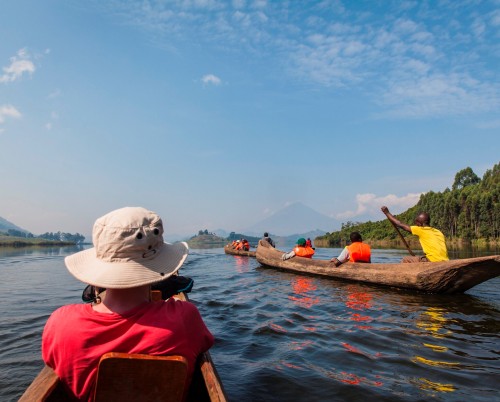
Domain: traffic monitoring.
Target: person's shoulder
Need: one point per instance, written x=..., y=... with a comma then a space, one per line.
x=67, y=313
x=180, y=305
x=70, y=309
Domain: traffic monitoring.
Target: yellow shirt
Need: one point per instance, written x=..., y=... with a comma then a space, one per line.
x=432, y=241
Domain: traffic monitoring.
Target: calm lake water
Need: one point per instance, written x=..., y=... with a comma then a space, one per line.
x=286, y=337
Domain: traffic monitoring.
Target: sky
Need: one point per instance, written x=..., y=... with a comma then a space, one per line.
x=216, y=114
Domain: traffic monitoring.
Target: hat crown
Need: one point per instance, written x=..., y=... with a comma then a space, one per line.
x=130, y=233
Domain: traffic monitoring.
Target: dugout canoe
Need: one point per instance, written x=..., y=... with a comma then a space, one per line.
x=454, y=276
x=205, y=386
x=229, y=250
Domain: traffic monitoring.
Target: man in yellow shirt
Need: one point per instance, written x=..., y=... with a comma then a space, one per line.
x=431, y=239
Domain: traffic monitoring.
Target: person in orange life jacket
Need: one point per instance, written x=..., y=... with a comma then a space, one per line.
x=309, y=243
x=245, y=245
x=357, y=251
x=432, y=240
x=300, y=250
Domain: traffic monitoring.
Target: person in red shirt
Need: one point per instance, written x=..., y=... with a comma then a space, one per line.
x=357, y=251
x=129, y=255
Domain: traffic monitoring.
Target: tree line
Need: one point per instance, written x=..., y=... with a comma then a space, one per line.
x=57, y=236
x=469, y=210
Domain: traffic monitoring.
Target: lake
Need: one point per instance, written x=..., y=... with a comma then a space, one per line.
x=287, y=337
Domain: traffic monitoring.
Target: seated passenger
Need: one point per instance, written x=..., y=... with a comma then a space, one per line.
x=245, y=245
x=357, y=251
x=268, y=239
x=128, y=256
x=300, y=250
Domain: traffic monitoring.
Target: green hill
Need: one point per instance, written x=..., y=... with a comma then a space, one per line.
x=469, y=212
x=206, y=241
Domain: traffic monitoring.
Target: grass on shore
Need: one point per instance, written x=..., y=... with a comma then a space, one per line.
x=12, y=241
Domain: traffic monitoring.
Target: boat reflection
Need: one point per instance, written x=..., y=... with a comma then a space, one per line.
x=242, y=264
x=302, y=288
x=359, y=301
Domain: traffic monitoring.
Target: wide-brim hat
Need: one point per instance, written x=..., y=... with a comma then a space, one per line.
x=128, y=251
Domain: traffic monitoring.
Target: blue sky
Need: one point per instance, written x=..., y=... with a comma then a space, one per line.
x=216, y=114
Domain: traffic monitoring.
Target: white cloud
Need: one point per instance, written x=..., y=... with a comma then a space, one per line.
x=369, y=204
x=440, y=95
x=394, y=60
x=211, y=79
x=20, y=64
x=9, y=111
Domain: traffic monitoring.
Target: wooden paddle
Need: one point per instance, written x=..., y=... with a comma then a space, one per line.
x=402, y=238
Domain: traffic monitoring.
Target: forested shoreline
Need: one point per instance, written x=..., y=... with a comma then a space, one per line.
x=467, y=214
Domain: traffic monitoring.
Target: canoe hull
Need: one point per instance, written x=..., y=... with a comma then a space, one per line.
x=454, y=276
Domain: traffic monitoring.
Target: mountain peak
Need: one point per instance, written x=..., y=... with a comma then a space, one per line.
x=294, y=218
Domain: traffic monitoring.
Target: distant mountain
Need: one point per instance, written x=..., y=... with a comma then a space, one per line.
x=5, y=225
x=295, y=218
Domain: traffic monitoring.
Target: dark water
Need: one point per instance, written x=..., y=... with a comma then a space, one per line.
x=285, y=337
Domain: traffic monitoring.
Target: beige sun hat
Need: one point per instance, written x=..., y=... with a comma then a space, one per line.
x=128, y=251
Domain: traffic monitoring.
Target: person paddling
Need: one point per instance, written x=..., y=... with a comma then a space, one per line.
x=431, y=239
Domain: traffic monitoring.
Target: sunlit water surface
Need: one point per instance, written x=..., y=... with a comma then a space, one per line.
x=287, y=337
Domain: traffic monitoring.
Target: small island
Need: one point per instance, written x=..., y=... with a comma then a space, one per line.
x=205, y=239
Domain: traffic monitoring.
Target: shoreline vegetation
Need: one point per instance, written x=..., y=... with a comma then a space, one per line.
x=452, y=244
x=468, y=214
x=13, y=241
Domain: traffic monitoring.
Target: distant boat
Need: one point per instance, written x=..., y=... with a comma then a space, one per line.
x=229, y=250
x=454, y=276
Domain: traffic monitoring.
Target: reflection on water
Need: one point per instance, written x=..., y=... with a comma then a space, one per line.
x=303, y=288
x=287, y=337
x=359, y=302
x=242, y=263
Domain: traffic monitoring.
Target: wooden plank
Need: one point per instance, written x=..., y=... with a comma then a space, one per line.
x=42, y=386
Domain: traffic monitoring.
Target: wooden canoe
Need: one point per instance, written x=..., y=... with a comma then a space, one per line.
x=454, y=276
x=205, y=386
x=229, y=250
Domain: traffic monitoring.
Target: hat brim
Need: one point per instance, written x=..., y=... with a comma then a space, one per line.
x=86, y=267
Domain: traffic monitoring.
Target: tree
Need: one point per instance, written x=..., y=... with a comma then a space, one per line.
x=465, y=177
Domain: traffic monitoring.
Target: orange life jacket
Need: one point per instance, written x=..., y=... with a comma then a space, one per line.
x=306, y=252
x=246, y=246
x=359, y=252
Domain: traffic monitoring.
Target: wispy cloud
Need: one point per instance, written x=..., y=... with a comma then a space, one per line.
x=9, y=111
x=410, y=59
x=211, y=79
x=369, y=204
x=50, y=124
x=20, y=64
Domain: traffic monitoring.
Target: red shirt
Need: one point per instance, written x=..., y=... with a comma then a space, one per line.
x=75, y=337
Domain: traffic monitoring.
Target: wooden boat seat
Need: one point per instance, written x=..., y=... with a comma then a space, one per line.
x=127, y=377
